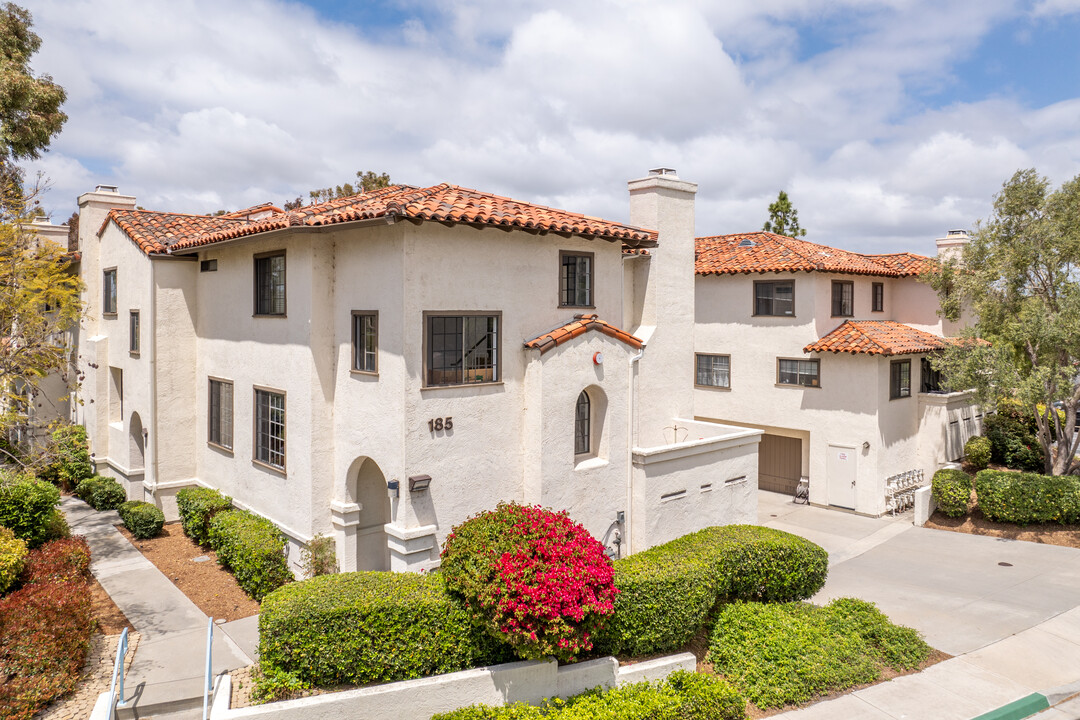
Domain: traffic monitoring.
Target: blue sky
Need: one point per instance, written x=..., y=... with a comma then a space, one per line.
x=888, y=122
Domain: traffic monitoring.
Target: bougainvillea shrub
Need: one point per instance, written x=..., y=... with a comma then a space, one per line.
x=531, y=577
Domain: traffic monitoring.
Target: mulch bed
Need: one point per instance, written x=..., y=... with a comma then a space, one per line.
x=212, y=588
x=110, y=619
x=974, y=523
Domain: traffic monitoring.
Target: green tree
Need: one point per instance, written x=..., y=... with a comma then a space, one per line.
x=1020, y=277
x=366, y=181
x=783, y=218
x=30, y=113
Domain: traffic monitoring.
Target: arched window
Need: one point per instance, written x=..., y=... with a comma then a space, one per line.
x=581, y=424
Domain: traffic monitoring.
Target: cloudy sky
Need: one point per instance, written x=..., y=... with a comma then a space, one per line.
x=888, y=122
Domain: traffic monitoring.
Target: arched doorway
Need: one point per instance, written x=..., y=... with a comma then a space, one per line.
x=136, y=444
x=367, y=488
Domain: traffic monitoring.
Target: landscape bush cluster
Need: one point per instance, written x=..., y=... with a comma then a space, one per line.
x=144, y=520
x=667, y=593
x=197, y=507
x=533, y=578
x=951, y=490
x=978, y=451
x=1025, y=498
x=1013, y=440
x=101, y=493
x=69, y=454
x=28, y=508
x=45, y=628
x=682, y=696
x=13, y=554
x=252, y=548
x=785, y=653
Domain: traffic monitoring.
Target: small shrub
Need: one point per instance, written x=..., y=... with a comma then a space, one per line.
x=56, y=527
x=197, y=507
x=58, y=561
x=532, y=577
x=272, y=684
x=13, y=554
x=101, y=493
x=252, y=548
x=705, y=697
x=1013, y=442
x=978, y=450
x=1025, y=498
x=26, y=506
x=319, y=557
x=370, y=627
x=142, y=519
x=951, y=490
x=70, y=457
x=895, y=646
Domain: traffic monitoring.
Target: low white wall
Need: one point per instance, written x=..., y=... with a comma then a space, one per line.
x=529, y=681
x=924, y=505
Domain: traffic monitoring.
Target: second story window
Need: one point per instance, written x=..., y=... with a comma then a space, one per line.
x=220, y=420
x=713, y=370
x=798, y=372
x=878, y=298
x=462, y=349
x=365, y=342
x=899, y=379
x=932, y=381
x=133, y=332
x=575, y=279
x=270, y=428
x=843, y=298
x=774, y=298
x=270, y=284
x=108, y=292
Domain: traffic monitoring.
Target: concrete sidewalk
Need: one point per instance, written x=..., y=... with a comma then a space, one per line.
x=1007, y=610
x=167, y=673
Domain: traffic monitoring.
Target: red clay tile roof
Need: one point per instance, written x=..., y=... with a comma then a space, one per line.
x=261, y=207
x=155, y=231
x=879, y=337
x=627, y=250
x=761, y=252
x=907, y=263
x=580, y=325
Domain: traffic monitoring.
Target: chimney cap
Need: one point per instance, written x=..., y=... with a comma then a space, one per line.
x=107, y=188
x=957, y=233
x=663, y=171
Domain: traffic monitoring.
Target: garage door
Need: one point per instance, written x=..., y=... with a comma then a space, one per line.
x=779, y=463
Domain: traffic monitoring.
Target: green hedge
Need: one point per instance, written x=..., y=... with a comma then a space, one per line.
x=13, y=554
x=1025, y=498
x=366, y=627
x=101, y=493
x=143, y=519
x=951, y=490
x=252, y=548
x=70, y=454
x=1013, y=442
x=27, y=506
x=197, y=506
x=666, y=592
x=978, y=450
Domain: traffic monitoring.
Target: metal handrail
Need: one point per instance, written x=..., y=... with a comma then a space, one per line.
x=209, y=673
x=118, y=667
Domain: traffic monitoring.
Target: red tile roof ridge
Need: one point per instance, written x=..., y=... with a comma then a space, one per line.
x=581, y=324
x=878, y=337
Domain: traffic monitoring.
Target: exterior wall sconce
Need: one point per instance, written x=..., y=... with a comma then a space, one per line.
x=392, y=488
x=866, y=445
x=419, y=483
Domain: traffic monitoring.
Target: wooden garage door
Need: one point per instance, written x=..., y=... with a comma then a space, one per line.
x=779, y=463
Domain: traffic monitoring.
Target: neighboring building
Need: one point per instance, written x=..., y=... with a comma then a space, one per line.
x=383, y=366
x=827, y=352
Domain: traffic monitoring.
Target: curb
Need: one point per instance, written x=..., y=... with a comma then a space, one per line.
x=1018, y=709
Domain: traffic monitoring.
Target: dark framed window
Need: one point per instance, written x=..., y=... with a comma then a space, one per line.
x=220, y=414
x=108, y=292
x=582, y=422
x=899, y=379
x=774, y=298
x=798, y=372
x=365, y=341
x=713, y=370
x=208, y=266
x=270, y=428
x=843, y=298
x=462, y=349
x=931, y=381
x=133, y=332
x=878, y=302
x=270, y=284
x=575, y=279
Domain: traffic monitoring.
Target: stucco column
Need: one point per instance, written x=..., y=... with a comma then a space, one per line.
x=345, y=517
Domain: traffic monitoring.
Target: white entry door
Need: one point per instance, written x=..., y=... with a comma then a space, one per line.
x=840, y=468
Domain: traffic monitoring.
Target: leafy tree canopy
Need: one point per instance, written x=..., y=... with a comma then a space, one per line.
x=365, y=182
x=783, y=218
x=1020, y=276
x=30, y=113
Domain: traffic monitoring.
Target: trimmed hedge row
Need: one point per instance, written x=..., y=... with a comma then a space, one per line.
x=252, y=548
x=143, y=519
x=370, y=627
x=667, y=592
x=197, y=507
x=12, y=558
x=101, y=493
x=28, y=507
x=1025, y=498
x=951, y=490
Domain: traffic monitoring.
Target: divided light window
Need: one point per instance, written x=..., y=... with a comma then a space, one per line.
x=879, y=297
x=575, y=279
x=270, y=284
x=774, y=298
x=582, y=421
x=365, y=340
x=108, y=292
x=270, y=428
x=462, y=349
x=899, y=379
x=220, y=422
x=714, y=370
x=133, y=332
x=843, y=298
x=798, y=372
x=931, y=378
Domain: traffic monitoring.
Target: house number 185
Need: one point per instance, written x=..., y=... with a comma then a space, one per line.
x=437, y=424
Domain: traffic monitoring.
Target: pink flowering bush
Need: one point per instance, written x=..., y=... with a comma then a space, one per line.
x=531, y=577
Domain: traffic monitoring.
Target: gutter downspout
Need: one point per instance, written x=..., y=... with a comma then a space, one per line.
x=153, y=378
x=627, y=535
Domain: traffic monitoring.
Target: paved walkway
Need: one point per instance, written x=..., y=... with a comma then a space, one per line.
x=1009, y=612
x=168, y=669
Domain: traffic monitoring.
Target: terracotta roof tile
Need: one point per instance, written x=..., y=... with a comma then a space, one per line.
x=761, y=252
x=579, y=326
x=879, y=337
x=627, y=250
x=155, y=232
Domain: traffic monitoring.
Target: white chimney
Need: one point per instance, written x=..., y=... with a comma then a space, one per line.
x=951, y=247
